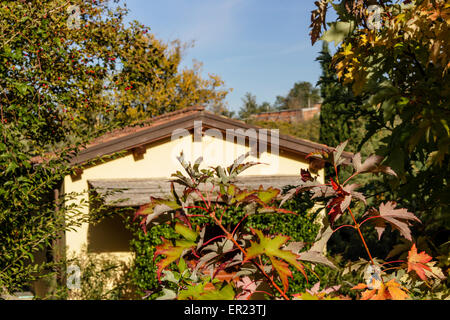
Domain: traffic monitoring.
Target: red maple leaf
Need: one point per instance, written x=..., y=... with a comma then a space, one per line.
x=306, y=175
x=338, y=204
x=391, y=290
x=416, y=262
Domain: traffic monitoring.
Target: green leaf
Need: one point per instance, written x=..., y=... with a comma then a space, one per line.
x=338, y=31
x=22, y=88
x=267, y=195
x=192, y=292
x=182, y=265
x=12, y=166
x=186, y=232
x=226, y=293
x=167, y=295
x=171, y=252
x=171, y=276
x=198, y=292
x=271, y=248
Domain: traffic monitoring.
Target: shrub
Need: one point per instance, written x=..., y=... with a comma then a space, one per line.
x=212, y=254
x=302, y=227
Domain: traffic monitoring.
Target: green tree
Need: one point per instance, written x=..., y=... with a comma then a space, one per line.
x=221, y=108
x=338, y=119
x=70, y=71
x=301, y=95
x=399, y=70
x=249, y=106
x=308, y=129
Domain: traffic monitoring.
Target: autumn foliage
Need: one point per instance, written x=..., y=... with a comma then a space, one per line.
x=214, y=260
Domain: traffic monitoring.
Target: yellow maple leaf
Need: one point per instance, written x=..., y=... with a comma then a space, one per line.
x=390, y=290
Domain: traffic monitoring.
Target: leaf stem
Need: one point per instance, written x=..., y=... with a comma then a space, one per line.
x=394, y=261
x=353, y=175
x=212, y=239
x=230, y=237
x=345, y=225
x=361, y=236
x=235, y=228
x=373, y=217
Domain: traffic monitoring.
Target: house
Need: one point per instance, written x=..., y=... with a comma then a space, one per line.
x=289, y=115
x=146, y=156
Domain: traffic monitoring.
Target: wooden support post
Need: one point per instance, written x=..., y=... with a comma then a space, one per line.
x=138, y=152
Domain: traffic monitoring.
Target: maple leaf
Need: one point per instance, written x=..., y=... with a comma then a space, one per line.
x=267, y=195
x=416, y=262
x=318, y=19
x=391, y=290
x=354, y=194
x=371, y=164
x=316, y=294
x=186, y=232
x=261, y=195
x=271, y=248
x=173, y=253
x=398, y=218
x=306, y=175
x=153, y=210
x=248, y=287
x=338, y=204
x=283, y=270
x=333, y=156
x=207, y=291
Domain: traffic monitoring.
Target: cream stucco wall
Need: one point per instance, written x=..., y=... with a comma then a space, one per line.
x=160, y=161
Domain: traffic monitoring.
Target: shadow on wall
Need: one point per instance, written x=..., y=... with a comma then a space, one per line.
x=109, y=235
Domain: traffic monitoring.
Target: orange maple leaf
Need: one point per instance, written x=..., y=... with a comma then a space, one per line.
x=390, y=290
x=416, y=262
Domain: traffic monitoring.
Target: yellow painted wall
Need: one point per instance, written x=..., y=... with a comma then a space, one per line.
x=160, y=161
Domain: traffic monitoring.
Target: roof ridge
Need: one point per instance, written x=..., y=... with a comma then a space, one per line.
x=144, y=124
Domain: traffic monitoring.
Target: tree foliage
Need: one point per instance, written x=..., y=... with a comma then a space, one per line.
x=211, y=258
x=307, y=129
x=339, y=119
x=301, y=95
x=397, y=66
x=64, y=79
x=250, y=106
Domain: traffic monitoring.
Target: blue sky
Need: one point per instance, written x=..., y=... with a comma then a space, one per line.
x=257, y=46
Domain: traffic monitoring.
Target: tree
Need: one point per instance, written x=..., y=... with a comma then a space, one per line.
x=69, y=72
x=265, y=107
x=221, y=109
x=301, y=95
x=249, y=106
x=308, y=129
x=152, y=92
x=338, y=119
x=398, y=67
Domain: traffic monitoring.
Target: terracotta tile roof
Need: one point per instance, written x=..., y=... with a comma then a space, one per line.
x=162, y=126
x=117, y=133
x=144, y=125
